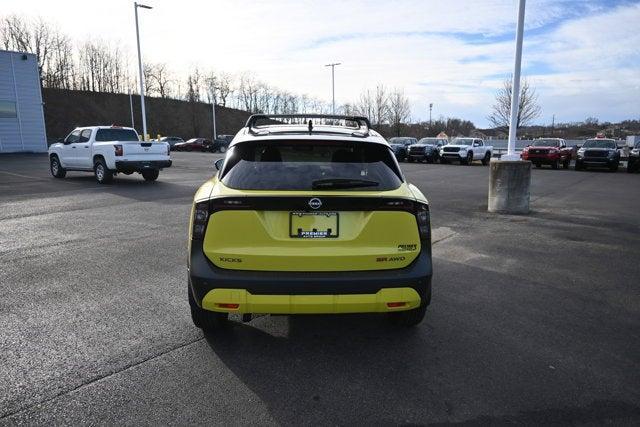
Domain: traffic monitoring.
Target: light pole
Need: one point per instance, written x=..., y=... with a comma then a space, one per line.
x=510, y=179
x=515, y=93
x=430, y=108
x=333, y=86
x=133, y=123
x=144, y=114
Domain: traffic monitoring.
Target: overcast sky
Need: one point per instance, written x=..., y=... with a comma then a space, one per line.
x=583, y=56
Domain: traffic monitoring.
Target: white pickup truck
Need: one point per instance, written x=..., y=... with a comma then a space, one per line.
x=466, y=150
x=107, y=151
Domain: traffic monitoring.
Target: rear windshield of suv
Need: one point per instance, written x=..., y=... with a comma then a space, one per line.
x=116, y=135
x=311, y=165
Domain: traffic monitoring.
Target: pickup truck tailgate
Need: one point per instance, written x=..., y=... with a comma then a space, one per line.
x=134, y=151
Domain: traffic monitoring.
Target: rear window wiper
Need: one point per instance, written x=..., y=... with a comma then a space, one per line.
x=342, y=183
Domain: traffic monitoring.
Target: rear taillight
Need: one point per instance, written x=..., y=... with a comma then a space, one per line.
x=168, y=150
x=424, y=224
x=118, y=149
x=200, y=217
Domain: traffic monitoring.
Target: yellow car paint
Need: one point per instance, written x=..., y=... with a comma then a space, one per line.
x=217, y=299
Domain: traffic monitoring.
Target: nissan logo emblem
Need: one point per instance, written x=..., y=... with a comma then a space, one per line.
x=315, y=203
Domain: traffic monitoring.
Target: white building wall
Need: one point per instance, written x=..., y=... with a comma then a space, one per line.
x=20, y=87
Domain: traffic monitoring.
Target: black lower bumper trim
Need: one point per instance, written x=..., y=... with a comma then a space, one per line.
x=204, y=276
x=139, y=166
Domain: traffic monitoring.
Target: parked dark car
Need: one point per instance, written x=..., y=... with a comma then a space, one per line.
x=171, y=140
x=427, y=149
x=633, y=165
x=194, y=144
x=400, y=146
x=221, y=144
x=598, y=152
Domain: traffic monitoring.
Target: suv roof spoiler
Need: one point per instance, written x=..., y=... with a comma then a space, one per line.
x=307, y=119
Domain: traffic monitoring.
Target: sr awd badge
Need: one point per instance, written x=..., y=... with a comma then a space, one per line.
x=315, y=203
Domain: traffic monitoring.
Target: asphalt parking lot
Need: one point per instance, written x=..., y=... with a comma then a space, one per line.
x=534, y=319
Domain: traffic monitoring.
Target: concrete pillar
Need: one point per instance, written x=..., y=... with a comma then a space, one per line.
x=509, y=186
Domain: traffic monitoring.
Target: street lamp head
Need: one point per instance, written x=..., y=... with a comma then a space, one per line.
x=333, y=65
x=144, y=6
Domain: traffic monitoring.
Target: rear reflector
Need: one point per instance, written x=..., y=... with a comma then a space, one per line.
x=227, y=305
x=396, y=304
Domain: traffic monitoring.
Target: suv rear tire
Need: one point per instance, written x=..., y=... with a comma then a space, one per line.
x=206, y=320
x=151, y=175
x=56, y=169
x=102, y=173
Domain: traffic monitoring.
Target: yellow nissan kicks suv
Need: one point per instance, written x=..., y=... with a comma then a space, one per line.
x=308, y=214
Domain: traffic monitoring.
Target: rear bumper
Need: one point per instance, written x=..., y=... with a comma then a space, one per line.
x=240, y=301
x=139, y=166
x=298, y=287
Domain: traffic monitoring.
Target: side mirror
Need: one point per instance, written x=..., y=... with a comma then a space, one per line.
x=218, y=164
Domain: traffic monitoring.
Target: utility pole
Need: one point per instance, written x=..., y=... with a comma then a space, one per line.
x=333, y=86
x=144, y=114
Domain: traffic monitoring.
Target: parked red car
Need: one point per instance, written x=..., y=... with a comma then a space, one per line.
x=548, y=151
x=194, y=144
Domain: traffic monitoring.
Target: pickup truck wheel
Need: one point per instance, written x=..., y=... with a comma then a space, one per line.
x=103, y=175
x=56, y=169
x=208, y=321
x=614, y=167
x=469, y=161
x=151, y=175
x=566, y=164
x=486, y=159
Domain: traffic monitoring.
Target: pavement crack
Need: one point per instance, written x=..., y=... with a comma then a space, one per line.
x=97, y=379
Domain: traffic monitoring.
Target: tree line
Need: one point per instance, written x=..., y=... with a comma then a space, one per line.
x=100, y=66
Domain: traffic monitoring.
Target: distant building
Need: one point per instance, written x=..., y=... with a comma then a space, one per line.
x=21, y=115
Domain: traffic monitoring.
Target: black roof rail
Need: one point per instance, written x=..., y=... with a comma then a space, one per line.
x=363, y=123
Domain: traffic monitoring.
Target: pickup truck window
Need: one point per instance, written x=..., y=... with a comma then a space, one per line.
x=462, y=141
x=545, y=143
x=73, y=137
x=85, y=136
x=599, y=143
x=116, y=135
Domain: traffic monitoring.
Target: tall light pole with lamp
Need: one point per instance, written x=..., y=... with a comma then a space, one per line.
x=333, y=86
x=144, y=114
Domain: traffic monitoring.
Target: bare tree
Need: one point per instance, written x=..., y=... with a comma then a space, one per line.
x=528, y=109
x=158, y=79
x=194, y=86
x=399, y=110
x=380, y=112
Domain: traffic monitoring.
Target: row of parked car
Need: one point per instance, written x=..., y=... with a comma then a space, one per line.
x=434, y=150
x=598, y=152
x=220, y=144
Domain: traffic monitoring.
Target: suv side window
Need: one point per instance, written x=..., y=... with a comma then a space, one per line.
x=85, y=136
x=73, y=137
